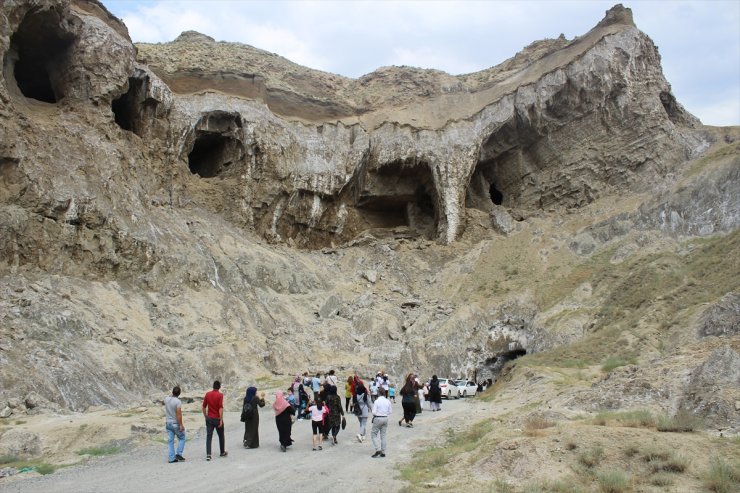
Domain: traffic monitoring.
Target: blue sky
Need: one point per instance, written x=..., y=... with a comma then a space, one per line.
x=699, y=41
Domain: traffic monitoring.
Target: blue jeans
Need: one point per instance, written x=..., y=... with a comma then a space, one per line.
x=172, y=430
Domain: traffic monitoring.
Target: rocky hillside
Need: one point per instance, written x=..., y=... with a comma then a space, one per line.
x=192, y=210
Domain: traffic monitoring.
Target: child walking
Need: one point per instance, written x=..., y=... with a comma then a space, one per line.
x=318, y=419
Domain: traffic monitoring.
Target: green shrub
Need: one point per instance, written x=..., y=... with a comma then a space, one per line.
x=613, y=481
x=45, y=469
x=722, y=477
x=591, y=458
x=8, y=459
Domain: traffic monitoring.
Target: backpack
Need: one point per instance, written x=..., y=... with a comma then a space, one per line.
x=247, y=411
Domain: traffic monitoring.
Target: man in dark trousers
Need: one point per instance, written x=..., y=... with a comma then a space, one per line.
x=213, y=410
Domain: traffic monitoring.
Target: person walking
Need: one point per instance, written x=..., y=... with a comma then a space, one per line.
x=318, y=422
x=362, y=409
x=348, y=387
x=382, y=409
x=174, y=425
x=435, y=394
x=283, y=420
x=332, y=379
x=336, y=413
x=420, y=391
x=252, y=419
x=408, y=401
x=213, y=411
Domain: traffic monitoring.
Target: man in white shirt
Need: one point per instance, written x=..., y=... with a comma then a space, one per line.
x=381, y=410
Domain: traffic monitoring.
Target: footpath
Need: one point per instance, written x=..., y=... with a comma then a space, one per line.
x=345, y=467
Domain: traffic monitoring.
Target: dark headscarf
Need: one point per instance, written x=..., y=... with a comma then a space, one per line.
x=330, y=390
x=251, y=391
x=360, y=387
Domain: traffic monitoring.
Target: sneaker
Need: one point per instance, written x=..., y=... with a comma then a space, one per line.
x=283, y=448
x=172, y=461
x=359, y=438
x=223, y=454
x=179, y=458
x=208, y=457
x=335, y=441
x=314, y=449
x=376, y=454
x=321, y=448
x=410, y=425
x=382, y=454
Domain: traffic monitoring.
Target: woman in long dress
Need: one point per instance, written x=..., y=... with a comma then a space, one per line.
x=283, y=420
x=362, y=408
x=252, y=423
x=435, y=394
x=336, y=413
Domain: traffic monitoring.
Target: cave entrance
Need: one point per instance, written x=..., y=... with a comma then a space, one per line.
x=39, y=56
x=496, y=196
x=217, y=145
x=129, y=108
x=399, y=194
x=492, y=367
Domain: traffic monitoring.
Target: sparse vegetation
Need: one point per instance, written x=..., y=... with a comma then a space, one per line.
x=20, y=422
x=99, y=451
x=535, y=423
x=722, y=477
x=615, y=362
x=427, y=464
x=592, y=457
x=682, y=422
x=613, y=481
x=8, y=459
x=661, y=479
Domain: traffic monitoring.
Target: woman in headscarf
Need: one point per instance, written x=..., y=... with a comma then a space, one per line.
x=336, y=413
x=408, y=401
x=362, y=408
x=252, y=422
x=283, y=420
x=435, y=394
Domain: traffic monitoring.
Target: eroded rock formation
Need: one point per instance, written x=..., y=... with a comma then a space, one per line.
x=152, y=198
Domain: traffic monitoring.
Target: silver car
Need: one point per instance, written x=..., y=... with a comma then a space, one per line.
x=466, y=388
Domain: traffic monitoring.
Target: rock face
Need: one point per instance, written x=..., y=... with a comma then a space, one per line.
x=197, y=209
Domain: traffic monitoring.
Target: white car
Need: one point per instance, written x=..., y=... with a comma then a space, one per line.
x=466, y=388
x=448, y=388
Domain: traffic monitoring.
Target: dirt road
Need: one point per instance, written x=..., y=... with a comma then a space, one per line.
x=346, y=467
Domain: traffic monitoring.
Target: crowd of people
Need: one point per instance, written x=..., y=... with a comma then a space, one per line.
x=310, y=397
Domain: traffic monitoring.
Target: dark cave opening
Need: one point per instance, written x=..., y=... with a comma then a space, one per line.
x=492, y=366
x=399, y=194
x=496, y=196
x=213, y=153
x=126, y=108
x=39, y=56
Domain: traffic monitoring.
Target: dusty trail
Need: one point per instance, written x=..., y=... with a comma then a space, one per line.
x=341, y=468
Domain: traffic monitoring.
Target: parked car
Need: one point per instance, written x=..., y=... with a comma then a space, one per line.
x=448, y=388
x=466, y=388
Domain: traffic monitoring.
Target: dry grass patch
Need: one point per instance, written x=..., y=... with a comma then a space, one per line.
x=592, y=457
x=682, y=422
x=722, y=477
x=534, y=425
x=613, y=481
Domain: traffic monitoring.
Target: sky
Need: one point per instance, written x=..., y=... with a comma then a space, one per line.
x=699, y=41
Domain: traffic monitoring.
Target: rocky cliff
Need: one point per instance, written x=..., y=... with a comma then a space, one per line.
x=200, y=209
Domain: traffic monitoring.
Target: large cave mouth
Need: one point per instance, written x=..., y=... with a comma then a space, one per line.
x=217, y=146
x=39, y=56
x=213, y=154
x=400, y=194
x=492, y=366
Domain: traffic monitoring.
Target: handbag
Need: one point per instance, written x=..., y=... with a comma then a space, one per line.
x=344, y=423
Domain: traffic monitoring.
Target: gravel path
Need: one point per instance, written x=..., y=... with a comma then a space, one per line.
x=338, y=468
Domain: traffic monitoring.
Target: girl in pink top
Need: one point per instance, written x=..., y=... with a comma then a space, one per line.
x=318, y=420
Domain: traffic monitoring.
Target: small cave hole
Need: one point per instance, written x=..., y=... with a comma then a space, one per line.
x=213, y=153
x=496, y=196
x=126, y=109
x=492, y=366
x=39, y=56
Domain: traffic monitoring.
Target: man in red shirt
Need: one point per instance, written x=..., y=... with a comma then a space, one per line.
x=213, y=410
